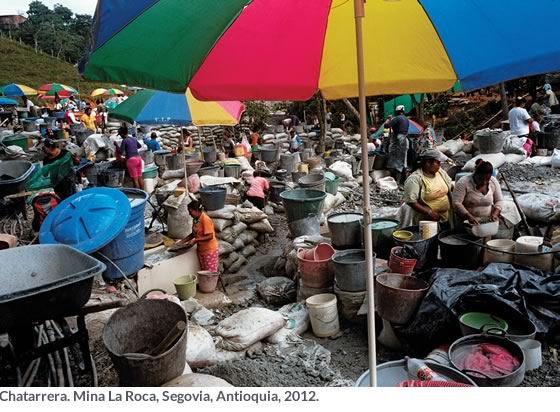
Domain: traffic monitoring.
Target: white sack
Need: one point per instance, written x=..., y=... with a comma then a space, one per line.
x=200, y=347
x=497, y=160
x=246, y=327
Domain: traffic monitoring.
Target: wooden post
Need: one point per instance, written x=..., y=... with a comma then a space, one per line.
x=503, y=93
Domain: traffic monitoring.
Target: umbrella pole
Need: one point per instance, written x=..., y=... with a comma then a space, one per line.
x=359, y=14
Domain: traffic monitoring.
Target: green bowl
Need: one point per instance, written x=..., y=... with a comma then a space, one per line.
x=478, y=322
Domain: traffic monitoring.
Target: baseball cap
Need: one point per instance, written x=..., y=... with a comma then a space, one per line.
x=400, y=108
x=433, y=154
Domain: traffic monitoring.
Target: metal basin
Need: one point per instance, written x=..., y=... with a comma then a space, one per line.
x=398, y=296
x=461, y=347
x=390, y=374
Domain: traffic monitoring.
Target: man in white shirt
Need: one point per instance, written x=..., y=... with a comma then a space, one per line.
x=519, y=119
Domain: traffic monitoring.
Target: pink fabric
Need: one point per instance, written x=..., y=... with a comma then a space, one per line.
x=209, y=261
x=293, y=51
x=258, y=186
x=492, y=360
x=134, y=166
x=528, y=147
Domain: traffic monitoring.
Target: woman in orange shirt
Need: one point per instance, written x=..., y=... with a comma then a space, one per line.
x=204, y=237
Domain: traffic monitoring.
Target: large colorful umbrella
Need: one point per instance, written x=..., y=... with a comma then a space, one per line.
x=50, y=89
x=156, y=107
x=101, y=92
x=17, y=90
x=424, y=44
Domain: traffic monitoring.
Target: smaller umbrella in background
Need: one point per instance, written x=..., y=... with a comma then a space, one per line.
x=413, y=128
x=7, y=102
x=17, y=90
x=110, y=92
x=50, y=89
x=112, y=103
x=116, y=92
x=156, y=107
x=98, y=92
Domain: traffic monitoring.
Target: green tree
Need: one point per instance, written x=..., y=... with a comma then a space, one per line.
x=57, y=31
x=256, y=114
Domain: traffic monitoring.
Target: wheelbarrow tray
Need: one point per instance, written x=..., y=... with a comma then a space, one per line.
x=42, y=282
x=20, y=171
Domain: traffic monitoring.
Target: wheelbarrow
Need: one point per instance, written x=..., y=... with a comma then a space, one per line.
x=14, y=175
x=46, y=282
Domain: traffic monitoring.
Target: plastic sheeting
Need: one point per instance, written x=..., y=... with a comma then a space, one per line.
x=528, y=291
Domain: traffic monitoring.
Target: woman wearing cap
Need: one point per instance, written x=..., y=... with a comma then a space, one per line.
x=428, y=190
x=478, y=195
x=204, y=237
x=129, y=148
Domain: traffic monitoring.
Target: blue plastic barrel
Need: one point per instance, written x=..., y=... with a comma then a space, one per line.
x=127, y=249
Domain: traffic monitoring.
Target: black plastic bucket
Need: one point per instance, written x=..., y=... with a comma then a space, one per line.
x=457, y=251
x=213, y=198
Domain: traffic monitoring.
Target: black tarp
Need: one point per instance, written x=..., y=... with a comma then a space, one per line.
x=497, y=287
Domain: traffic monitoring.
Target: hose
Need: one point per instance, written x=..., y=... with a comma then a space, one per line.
x=548, y=252
x=122, y=273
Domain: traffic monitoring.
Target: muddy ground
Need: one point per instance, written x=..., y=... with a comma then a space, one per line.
x=311, y=362
x=337, y=361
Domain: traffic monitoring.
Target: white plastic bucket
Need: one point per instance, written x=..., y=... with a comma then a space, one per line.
x=323, y=314
x=428, y=229
x=533, y=353
x=494, y=256
x=149, y=185
x=531, y=244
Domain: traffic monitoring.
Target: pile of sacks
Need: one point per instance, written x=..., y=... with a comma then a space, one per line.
x=112, y=127
x=239, y=229
x=244, y=333
x=282, y=140
x=498, y=147
x=170, y=136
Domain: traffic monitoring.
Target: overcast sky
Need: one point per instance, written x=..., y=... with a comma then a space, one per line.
x=77, y=6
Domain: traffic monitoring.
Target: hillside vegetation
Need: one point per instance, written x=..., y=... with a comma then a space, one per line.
x=20, y=64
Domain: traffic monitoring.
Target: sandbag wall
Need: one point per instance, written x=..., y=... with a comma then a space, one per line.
x=239, y=230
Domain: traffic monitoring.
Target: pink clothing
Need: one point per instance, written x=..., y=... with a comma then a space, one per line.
x=209, y=260
x=134, y=166
x=258, y=186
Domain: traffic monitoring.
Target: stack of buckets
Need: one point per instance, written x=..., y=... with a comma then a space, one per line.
x=315, y=272
x=397, y=264
x=405, y=266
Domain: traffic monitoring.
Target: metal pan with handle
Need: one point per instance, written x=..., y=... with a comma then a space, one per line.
x=493, y=336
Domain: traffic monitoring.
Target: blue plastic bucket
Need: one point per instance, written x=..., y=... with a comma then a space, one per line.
x=127, y=249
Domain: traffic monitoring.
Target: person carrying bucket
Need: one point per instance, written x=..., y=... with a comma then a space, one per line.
x=204, y=237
